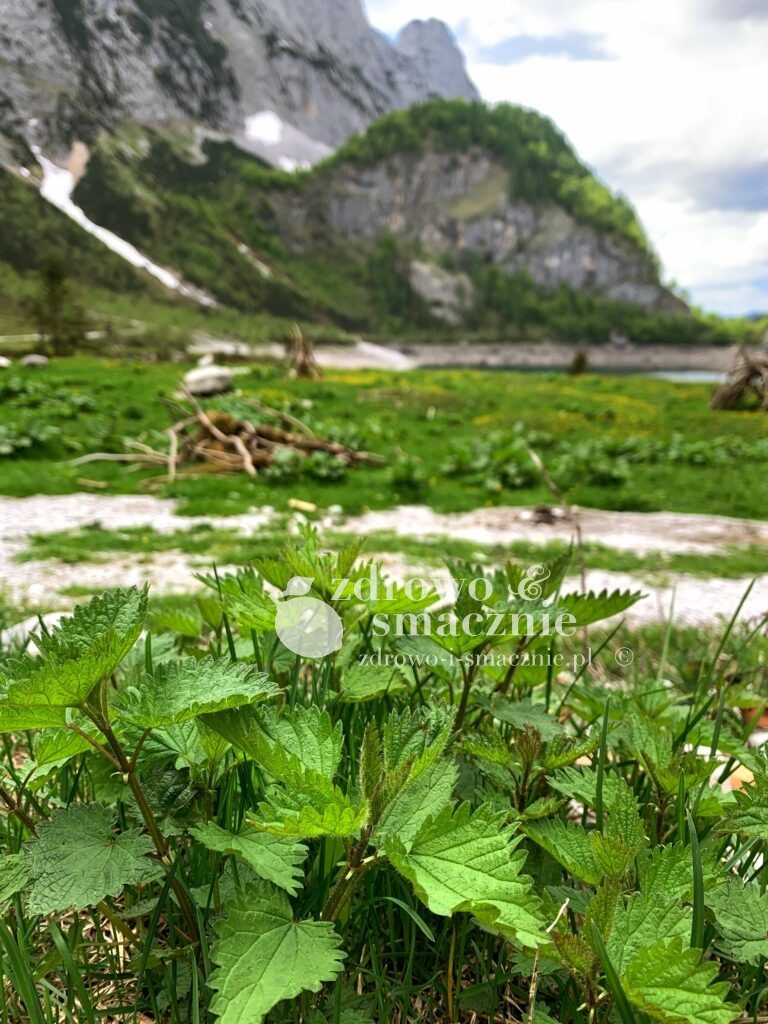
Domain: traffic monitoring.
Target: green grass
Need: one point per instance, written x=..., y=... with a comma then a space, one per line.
x=208, y=545
x=424, y=414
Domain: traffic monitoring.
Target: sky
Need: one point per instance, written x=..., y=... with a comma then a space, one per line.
x=667, y=100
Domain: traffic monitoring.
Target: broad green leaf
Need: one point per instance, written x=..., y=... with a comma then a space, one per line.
x=669, y=872
x=272, y=858
x=265, y=956
x=591, y=607
x=83, y=649
x=309, y=735
x=741, y=920
x=178, y=691
x=671, y=984
x=293, y=815
x=750, y=816
x=78, y=859
x=239, y=726
x=57, y=746
x=589, y=856
x=642, y=920
x=408, y=734
x=521, y=713
x=13, y=875
x=425, y=797
x=364, y=682
x=462, y=862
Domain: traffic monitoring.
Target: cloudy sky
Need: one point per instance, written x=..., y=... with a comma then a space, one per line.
x=666, y=99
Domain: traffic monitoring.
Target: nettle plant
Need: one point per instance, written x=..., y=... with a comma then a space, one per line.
x=204, y=826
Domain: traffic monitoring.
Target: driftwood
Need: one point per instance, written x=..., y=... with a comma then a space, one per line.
x=748, y=375
x=302, y=355
x=217, y=441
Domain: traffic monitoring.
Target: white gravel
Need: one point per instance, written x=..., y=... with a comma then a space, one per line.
x=697, y=601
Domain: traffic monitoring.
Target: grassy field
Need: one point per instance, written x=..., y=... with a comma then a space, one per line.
x=453, y=439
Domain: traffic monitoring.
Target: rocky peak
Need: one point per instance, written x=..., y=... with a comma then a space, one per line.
x=77, y=66
x=432, y=47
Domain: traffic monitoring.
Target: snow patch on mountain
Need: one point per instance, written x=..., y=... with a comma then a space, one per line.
x=57, y=187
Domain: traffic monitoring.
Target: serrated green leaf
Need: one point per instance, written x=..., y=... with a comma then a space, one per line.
x=642, y=920
x=521, y=713
x=364, y=682
x=57, y=746
x=741, y=920
x=264, y=956
x=13, y=875
x=425, y=797
x=309, y=735
x=332, y=814
x=589, y=856
x=669, y=872
x=591, y=607
x=750, y=816
x=469, y=862
x=78, y=859
x=178, y=691
x=274, y=859
x=672, y=985
x=83, y=649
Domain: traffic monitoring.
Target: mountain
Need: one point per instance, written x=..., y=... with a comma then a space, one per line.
x=70, y=68
x=450, y=215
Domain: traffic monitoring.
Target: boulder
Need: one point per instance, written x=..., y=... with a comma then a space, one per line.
x=34, y=359
x=448, y=295
x=208, y=380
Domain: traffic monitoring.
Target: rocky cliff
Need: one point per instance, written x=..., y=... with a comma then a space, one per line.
x=71, y=67
x=459, y=208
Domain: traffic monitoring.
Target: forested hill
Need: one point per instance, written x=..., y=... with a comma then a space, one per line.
x=449, y=218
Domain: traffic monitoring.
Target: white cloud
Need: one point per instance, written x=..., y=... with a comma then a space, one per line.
x=681, y=97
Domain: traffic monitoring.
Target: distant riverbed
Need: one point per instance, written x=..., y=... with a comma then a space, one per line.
x=694, y=363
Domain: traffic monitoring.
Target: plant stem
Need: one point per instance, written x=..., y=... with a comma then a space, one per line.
x=12, y=804
x=357, y=865
x=98, y=716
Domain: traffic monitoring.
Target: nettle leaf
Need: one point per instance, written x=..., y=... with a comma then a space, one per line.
x=307, y=815
x=364, y=682
x=750, y=816
x=83, y=649
x=264, y=956
x=669, y=872
x=469, y=862
x=178, y=691
x=275, y=859
x=408, y=734
x=642, y=920
x=78, y=859
x=425, y=797
x=521, y=713
x=13, y=875
x=741, y=921
x=309, y=735
x=671, y=984
x=57, y=746
x=591, y=607
x=589, y=856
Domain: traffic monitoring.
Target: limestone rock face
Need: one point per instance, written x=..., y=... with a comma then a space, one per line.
x=77, y=66
x=449, y=296
x=458, y=205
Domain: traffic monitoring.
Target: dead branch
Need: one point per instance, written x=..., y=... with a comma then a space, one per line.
x=216, y=441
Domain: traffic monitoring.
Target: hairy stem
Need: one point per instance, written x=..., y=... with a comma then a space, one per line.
x=13, y=806
x=357, y=865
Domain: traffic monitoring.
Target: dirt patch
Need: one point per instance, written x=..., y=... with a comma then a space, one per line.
x=696, y=601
